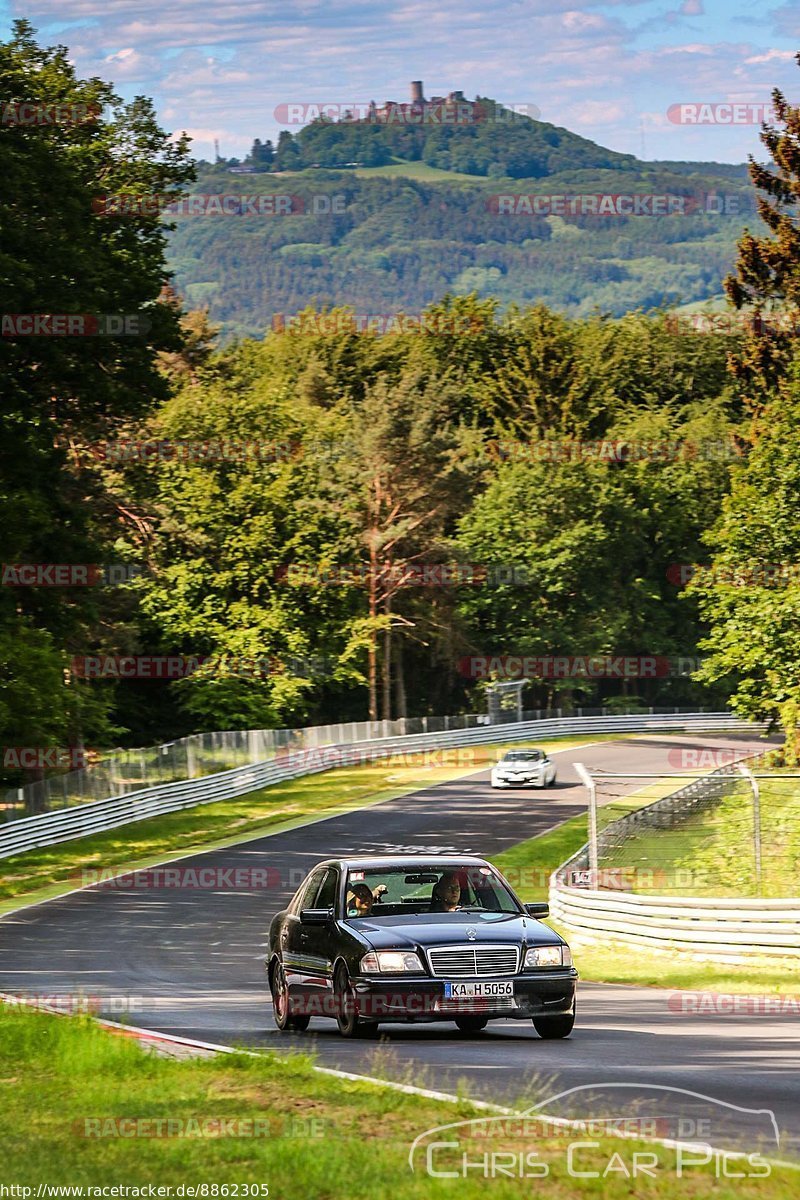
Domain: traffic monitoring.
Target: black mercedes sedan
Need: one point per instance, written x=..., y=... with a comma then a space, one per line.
x=434, y=938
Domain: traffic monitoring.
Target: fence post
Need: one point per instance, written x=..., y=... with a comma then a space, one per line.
x=191, y=762
x=252, y=745
x=587, y=780
x=750, y=777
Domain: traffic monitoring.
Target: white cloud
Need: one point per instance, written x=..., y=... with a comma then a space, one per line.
x=771, y=56
x=586, y=64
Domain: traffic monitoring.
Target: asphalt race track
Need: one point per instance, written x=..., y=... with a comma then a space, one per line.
x=190, y=961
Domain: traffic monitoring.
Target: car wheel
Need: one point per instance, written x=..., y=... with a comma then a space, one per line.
x=552, y=782
x=554, y=1027
x=348, y=1020
x=472, y=1025
x=281, y=1009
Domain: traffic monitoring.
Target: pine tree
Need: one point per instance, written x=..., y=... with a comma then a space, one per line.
x=767, y=279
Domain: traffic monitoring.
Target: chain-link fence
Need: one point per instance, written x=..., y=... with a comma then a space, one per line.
x=728, y=833
x=200, y=754
x=204, y=754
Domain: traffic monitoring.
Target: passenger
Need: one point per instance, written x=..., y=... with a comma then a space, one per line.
x=446, y=894
x=361, y=898
x=360, y=901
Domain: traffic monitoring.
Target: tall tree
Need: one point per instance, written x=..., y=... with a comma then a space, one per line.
x=767, y=279
x=61, y=252
x=403, y=482
x=750, y=594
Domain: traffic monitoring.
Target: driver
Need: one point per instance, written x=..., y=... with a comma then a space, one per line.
x=446, y=894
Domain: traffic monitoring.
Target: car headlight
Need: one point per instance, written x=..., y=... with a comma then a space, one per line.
x=392, y=961
x=548, y=956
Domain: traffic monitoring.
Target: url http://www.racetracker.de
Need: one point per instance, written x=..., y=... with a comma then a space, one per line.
x=182, y=1191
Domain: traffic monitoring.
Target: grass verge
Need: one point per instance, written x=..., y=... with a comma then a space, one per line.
x=715, y=849
x=84, y=1108
x=528, y=867
x=52, y=870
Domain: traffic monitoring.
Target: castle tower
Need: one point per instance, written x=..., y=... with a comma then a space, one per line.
x=417, y=96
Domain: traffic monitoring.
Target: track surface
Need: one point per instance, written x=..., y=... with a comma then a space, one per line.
x=191, y=962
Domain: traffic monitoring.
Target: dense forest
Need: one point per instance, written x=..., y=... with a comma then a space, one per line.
x=395, y=243
x=415, y=214
x=330, y=520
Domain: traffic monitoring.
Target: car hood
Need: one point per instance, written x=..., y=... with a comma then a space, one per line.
x=442, y=929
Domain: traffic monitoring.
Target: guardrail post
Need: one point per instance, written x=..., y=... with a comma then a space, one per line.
x=750, y=777
x=589, y=782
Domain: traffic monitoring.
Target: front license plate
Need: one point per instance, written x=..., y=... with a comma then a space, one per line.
x=487, y=990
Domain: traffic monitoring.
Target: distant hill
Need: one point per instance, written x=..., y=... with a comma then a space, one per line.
x=494, y=143
x=419, y=216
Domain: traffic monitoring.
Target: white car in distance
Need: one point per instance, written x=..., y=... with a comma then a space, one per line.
x=524, y=768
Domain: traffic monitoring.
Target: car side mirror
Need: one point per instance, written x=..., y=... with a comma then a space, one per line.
x=316, y=916
x=538, y=910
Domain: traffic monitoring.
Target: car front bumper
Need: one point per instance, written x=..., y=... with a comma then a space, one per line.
x=423, y=998
x=536, y=780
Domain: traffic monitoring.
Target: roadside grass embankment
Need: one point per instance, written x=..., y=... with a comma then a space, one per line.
x=529, y=865
x=85, y=1108
x=52, y=870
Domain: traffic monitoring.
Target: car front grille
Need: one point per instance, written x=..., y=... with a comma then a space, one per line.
x=456, y=962
x=476, y=1004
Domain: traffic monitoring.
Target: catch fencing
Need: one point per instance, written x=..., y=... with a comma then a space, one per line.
x=600, y=907
x=203, y=754
x=340, y=744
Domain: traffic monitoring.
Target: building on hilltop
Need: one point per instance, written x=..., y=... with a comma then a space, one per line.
x=452, y=109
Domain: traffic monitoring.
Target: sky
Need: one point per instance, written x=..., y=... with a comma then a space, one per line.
x=609, y=70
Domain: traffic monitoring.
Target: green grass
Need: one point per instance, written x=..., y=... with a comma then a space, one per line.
x=319, y=1138
x=50, y=871
x=713, y=854
x=403, y=169
x=528, y=867
x=636, y=966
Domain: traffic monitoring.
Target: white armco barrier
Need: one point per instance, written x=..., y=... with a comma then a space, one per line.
x=716, y=929
x=49, y=828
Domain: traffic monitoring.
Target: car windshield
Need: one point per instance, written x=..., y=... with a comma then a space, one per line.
x=393, y=891
x=522, y=755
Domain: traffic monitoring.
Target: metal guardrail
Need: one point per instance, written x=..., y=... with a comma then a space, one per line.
x=714, y=929
x=48, y=829
x=718, y=930
x=199, y=754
